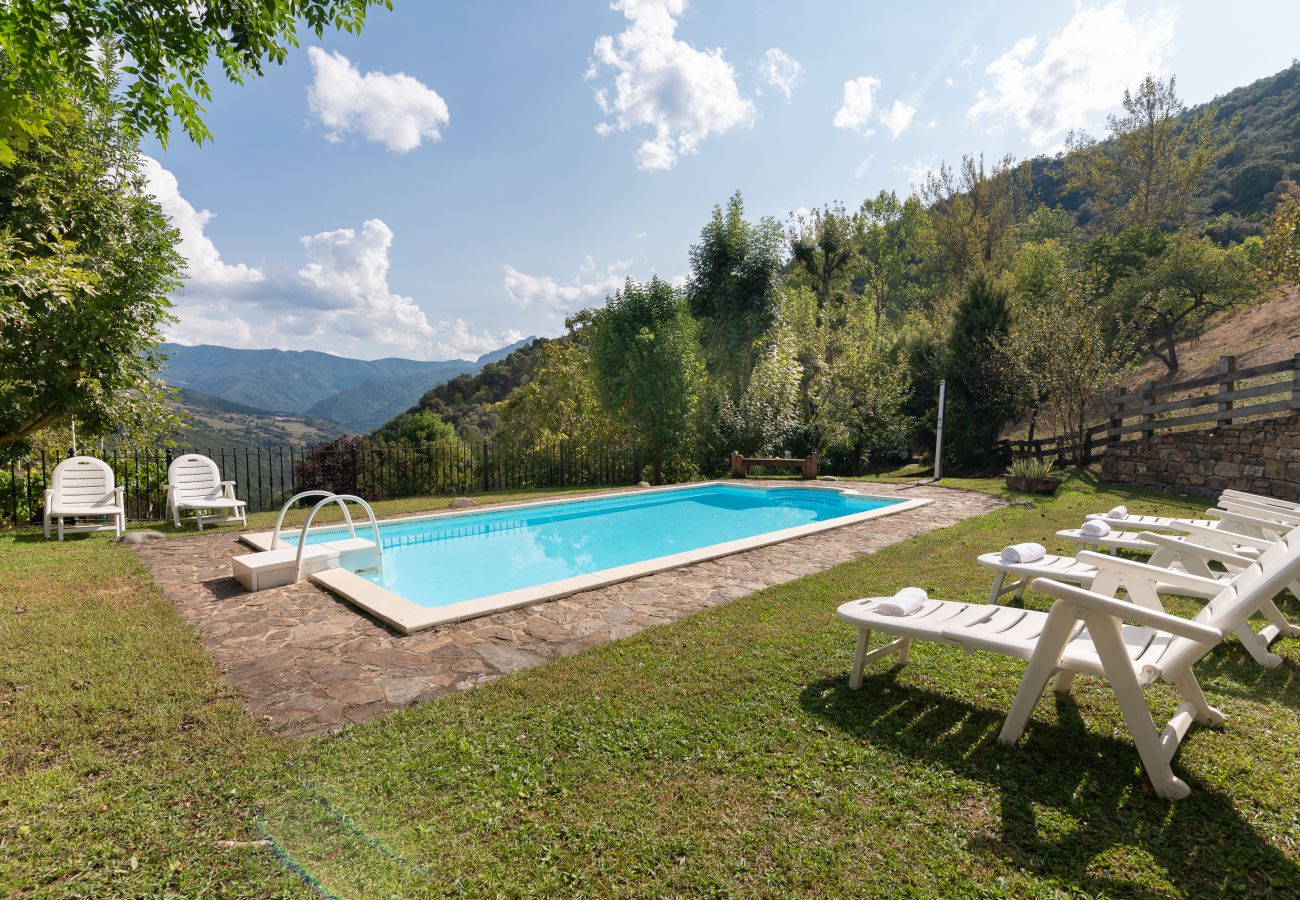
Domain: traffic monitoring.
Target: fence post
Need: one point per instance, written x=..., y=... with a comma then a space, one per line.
x=1148, y=418
x=1227, y=365
x=485, y=468
x=1295, y=382
x=1116, y=420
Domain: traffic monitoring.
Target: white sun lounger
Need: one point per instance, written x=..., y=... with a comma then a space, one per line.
x=82, y=488
x=1129, y=644
x=194, y=484
x=1180, y=556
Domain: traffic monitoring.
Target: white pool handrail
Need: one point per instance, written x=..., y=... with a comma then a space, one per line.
x=342, y=501
x=275, y=535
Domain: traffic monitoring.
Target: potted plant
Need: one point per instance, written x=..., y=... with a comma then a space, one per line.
x=1033, y=476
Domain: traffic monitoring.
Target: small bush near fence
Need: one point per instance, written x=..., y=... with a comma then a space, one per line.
x=267, y=477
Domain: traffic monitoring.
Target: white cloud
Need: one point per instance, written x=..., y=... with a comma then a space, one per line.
x=970, y=57
x=206, y=267
x=859, y=103
x=397, y=111
x=780, y=70
x=897, y=118
x=858, y=110
x=338, y=300
x=1080, y=72
x=587, y=288
x=917, y=171
x=949, y=82
x=680, y=93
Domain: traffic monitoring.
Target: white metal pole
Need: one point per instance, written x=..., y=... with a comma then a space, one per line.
x=74, y=436
x=938, y=438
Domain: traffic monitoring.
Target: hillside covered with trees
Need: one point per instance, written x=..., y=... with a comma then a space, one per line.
x=1032, y=287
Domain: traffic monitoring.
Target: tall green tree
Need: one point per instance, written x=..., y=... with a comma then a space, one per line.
x=861, y=397
x=972, y=209
x=559, y=402
x=824, y=247
x=417, y=426
x=736, y=269
x=889, y=238
x=1158, y=287
x=1151, y=168
x=978, y=397
x=87, y=260
x=645, y=356
x=1282, y=239
x=169, y=47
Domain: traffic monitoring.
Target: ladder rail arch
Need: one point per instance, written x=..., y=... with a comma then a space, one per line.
x=342, y=501
x=279, y=522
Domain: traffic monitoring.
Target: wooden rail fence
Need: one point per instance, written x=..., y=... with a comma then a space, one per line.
x=1238, y=393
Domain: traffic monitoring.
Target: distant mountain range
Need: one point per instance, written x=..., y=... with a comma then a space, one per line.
x=359, y=395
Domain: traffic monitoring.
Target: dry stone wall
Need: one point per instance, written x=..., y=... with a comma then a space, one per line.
x=1261, y=456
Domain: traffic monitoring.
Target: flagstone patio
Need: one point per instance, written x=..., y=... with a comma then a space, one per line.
x=311, y=663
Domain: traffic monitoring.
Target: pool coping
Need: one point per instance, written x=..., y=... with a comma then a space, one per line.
x=409, y=617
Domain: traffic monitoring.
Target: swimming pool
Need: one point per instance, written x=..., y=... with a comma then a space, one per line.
x=449, y=566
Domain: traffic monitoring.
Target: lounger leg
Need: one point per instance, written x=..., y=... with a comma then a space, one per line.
x=904, y=651
x=1020, y=588
x=46, y=520
x=998, y=580
x=1042, y=665
x=176, y=516
x=1190, y=690
x=1257, y=647
x=1064, y=681
x=1109, y=641
x=60, y=527
x=1274, y=615
x=859, y=658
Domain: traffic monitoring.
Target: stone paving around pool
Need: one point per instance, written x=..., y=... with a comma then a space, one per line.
x=311, y=663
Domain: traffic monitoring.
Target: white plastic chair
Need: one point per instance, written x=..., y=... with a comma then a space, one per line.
x=194, y=484
x=1131, y=644
x=82, y=487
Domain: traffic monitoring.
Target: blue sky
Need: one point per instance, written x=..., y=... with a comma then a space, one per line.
x=461, y=175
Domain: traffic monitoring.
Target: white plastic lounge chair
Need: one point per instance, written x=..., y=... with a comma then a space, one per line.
x=1130, y=644
x=1169, y=553
x=1224, y=532
x=82, y=487
x=1260, y=500
x=1181, y=556
x=194, y=483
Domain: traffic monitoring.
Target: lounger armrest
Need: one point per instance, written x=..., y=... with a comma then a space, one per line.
x=1131, y=568
x=228, y=489
x=49, y=495
x=1128, y=612
x=1182, y=545
x=1222, y=535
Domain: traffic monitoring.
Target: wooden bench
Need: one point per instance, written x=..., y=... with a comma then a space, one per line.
x=740, y=464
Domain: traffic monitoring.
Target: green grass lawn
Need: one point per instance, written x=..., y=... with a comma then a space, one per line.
x=722, y=755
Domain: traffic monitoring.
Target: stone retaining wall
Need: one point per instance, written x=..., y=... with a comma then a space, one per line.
x=1262, y=456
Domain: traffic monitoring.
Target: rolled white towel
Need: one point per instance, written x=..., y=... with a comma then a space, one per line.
x=904, y=603
x=1094, y=528
x=1118, y=512
x=1023, y=553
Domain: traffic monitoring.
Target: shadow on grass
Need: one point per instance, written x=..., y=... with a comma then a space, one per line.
x=1202, y=843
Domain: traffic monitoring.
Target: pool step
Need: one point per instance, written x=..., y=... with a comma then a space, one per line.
x=276, y=568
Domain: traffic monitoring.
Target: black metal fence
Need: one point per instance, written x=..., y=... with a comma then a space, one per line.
x=268, y=476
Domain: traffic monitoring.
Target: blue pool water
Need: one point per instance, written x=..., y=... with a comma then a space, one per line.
x=450, y=558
